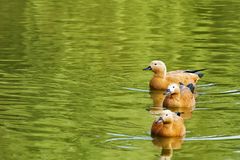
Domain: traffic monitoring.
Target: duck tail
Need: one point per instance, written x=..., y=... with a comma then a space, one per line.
x=191, y=87
x=200, y=75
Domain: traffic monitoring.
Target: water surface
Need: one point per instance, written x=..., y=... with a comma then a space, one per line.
x=72, y=85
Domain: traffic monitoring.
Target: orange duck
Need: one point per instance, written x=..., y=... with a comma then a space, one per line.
x=161, y=78
x=178, y=95
x=169, y=124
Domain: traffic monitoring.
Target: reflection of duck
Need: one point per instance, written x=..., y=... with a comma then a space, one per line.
x=157, y=97
x=168, y=144
x=179, y=96
x=186, y=113
x=169, y=124
x=166, y=154
x=162, y=78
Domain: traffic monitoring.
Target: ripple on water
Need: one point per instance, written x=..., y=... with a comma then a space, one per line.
x=148, y=138
x=136, y=89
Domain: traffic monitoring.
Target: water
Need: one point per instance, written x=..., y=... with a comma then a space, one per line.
x=72, y=85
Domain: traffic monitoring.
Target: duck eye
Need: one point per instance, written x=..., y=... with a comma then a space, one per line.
x=155, y=64
x=166, y=114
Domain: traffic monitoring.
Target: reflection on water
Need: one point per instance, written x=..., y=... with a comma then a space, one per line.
x=70, y=72
x=186, y=113
x=157, y=98
x=167, y=145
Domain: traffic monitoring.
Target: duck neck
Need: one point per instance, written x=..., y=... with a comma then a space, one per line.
x=160, y=75
x=160, y=71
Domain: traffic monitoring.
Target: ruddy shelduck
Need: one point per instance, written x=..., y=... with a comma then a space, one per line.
x=178, y=95
x=161, y=78
x=169, y=124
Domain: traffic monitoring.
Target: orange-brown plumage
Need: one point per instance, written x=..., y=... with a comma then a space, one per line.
x=161, y=78
x=179, y=96
x=168, y=125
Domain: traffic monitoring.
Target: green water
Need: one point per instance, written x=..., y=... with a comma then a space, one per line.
x=72, y=85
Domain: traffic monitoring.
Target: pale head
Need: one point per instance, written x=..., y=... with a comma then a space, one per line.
x=172, y=88
x=166, y=116
x=157, y=67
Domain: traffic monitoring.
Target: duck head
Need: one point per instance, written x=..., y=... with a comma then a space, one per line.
x=157, y=67
x=166, y=117
x=172, y=89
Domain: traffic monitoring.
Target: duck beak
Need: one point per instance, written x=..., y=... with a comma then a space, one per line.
x=148, y=68
x=167, y=92
x=160, y=120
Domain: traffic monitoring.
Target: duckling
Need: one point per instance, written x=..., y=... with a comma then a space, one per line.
x=169, y=124
x=161, y=78
x=178, y=95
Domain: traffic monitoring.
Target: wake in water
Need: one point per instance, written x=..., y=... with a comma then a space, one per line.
x=124, y=137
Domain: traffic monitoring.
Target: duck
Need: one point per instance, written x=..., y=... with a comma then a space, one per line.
x=178, y=95
x=169, y=124
x=161, y=78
